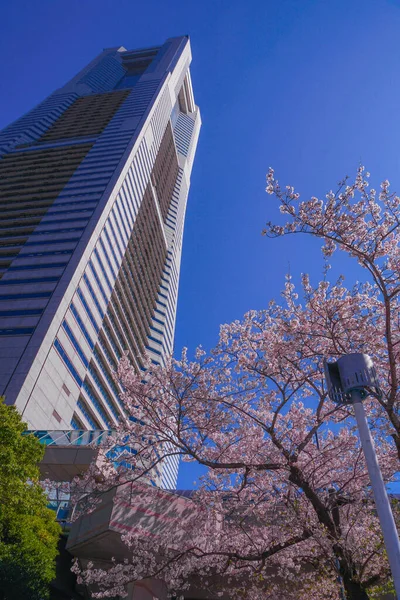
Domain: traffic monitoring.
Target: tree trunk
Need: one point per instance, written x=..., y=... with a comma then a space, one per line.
x=396, y=438
x=353, y=589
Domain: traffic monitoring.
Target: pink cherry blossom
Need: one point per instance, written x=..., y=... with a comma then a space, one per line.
x=285, y=508
x=250, y=410
x=354, y=221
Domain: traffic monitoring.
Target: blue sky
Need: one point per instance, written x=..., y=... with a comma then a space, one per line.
x=311, y=88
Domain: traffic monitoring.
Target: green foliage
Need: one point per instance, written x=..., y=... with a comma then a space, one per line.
x=385, y=590
x=28, y=530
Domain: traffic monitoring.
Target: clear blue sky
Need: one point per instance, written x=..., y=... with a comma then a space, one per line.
x=309, y=87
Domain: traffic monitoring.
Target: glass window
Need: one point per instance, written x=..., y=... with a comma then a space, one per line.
x=67, y=361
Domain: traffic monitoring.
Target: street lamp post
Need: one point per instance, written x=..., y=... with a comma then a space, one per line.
x=350, y=380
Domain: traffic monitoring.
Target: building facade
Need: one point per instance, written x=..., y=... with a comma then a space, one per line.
x=93, y=189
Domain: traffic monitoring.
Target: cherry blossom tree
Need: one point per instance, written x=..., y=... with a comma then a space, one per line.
x=284, y=509
x=365, y=225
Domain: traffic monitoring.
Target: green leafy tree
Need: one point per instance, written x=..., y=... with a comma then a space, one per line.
x=28, y=530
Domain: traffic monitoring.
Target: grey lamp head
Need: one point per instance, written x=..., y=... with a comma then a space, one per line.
x=351, y=372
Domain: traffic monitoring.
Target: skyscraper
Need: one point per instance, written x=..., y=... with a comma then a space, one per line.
x=93, y=190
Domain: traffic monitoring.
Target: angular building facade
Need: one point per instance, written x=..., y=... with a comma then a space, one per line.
x=93, y=189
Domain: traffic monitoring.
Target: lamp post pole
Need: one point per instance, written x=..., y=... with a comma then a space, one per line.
x=350, y=380
x=382, y=502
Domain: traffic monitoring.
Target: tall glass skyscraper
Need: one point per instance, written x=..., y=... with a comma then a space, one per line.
x=93, y=189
